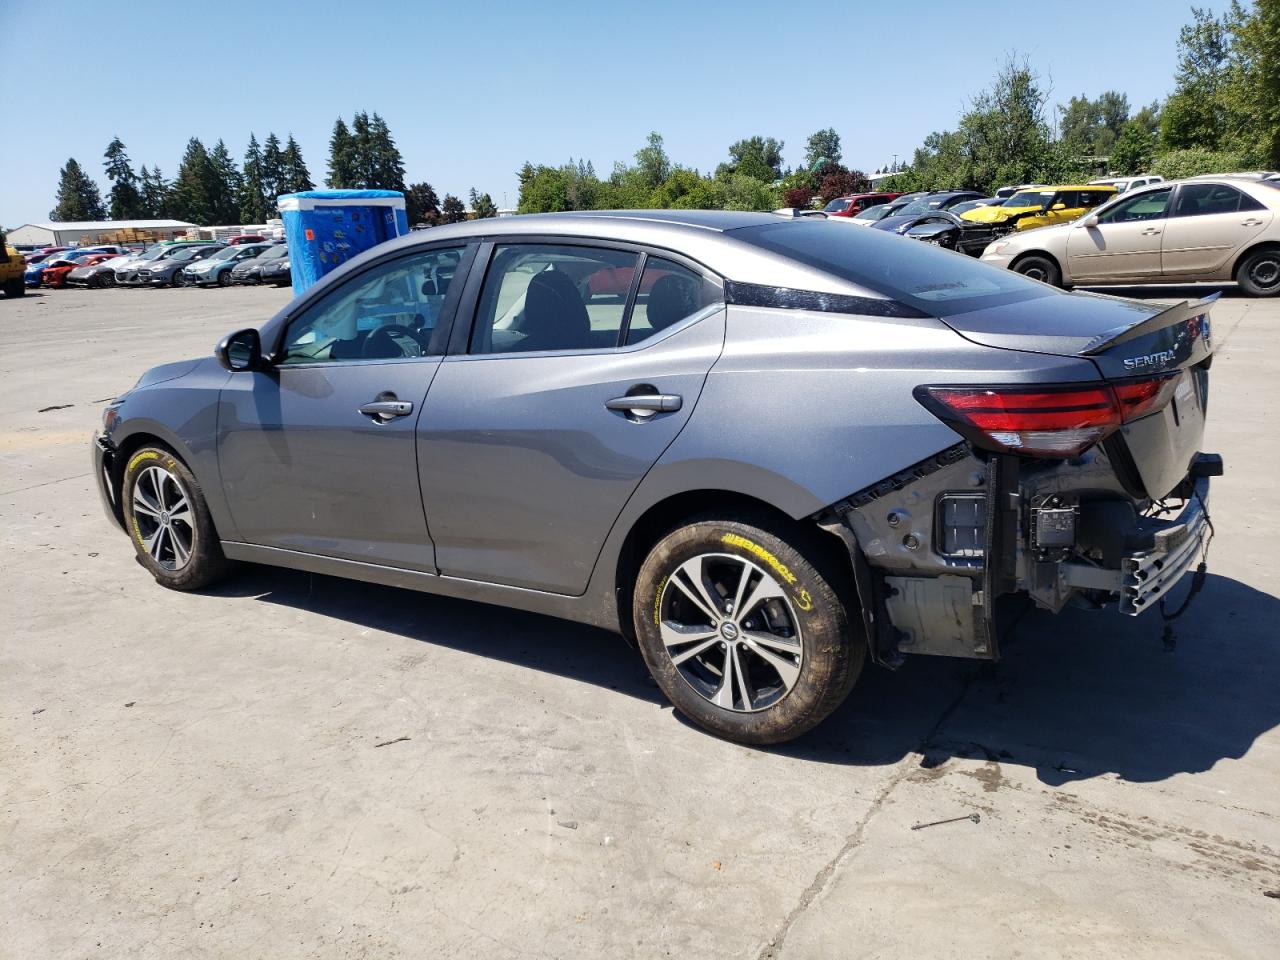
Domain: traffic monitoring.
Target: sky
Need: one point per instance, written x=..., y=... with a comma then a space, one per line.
x=473, y=89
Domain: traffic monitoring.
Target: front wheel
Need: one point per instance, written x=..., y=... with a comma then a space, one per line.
x=1259, y=273
x=179, y=279
x=744, y=629
x=169, y=523
x=15, y=288
x=224, y=278
x=1039, y=268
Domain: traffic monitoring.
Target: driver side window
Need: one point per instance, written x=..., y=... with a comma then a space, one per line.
x=387, y=313
x=1144, y=206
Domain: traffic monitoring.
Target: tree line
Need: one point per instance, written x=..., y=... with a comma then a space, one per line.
x=211, y=188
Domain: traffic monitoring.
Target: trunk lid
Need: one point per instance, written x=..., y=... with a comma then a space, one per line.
x=1124, y=339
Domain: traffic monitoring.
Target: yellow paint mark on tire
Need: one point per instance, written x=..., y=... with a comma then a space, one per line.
x=144, y=455
x=657, y=602
x=800, y=595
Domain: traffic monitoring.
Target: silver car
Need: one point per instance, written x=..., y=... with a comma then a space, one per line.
x=766, y=449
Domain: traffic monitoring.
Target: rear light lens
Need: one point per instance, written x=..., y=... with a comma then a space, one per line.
x=1058, y=421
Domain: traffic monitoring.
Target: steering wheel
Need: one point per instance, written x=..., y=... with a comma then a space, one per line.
x=392, y=342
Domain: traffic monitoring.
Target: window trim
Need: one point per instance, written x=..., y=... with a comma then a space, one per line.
x=468, y=310
x=436, y=346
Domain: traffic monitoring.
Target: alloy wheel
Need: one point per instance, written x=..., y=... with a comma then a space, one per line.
x=731, y=632
x=163, y=518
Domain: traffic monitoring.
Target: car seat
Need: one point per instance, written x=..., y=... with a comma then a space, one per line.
x=555, y=318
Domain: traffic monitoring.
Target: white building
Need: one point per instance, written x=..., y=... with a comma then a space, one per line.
x=88, y=232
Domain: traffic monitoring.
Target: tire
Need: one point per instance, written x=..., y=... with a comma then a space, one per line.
x=1259, y=273
x=179, y=279
x=15, y=288
x=224, y=278
x=178, y=546
x=1039, y=268
x=108, y=279
x=791, y=601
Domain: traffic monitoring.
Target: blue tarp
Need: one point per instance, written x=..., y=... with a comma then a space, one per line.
x=326, y=228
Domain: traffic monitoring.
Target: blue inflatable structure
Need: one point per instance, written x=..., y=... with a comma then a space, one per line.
x=326, y=228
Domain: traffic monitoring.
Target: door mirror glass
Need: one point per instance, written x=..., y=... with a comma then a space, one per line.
x=241, y=350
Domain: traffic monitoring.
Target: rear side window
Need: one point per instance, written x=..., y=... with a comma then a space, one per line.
x=668, y=294
x=933, y=281
x=548, y=297
x=1205, y=199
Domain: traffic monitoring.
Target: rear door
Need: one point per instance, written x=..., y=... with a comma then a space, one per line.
x=1209, y=223
x=1124, y=242
x=583, y=363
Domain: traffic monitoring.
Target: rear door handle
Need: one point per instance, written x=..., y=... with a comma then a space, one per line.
x=387, y=409
x=646, y=403
x=1251, y=222
x=1150, y=232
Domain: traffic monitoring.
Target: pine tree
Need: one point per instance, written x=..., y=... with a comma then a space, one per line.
x=225, y=184
x=78, y=197
x=191, y=196
x=342, y=175
x=272, y=168
x=422, y=204
x=253, y=198
x=155, y=194
x=452, y=210
x=361, y=152
x=482, y=205
x=386, y=165
x=124, y=201
x=296, y=176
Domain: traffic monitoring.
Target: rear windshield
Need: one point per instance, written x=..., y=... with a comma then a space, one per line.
x=934, y=281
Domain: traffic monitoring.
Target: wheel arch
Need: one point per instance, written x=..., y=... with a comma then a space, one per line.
x=672, y=511
x=1039, y=253
x=1250, y=251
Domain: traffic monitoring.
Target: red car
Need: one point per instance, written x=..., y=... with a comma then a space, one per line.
x=855, y=203
x=246, y=238
x=55, y=275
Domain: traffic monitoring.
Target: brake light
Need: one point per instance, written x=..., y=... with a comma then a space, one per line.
x=1058, y=421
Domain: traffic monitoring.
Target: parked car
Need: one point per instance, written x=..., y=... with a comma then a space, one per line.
x=277, y=271
x=245, y=238
x=1127, y=183
x=935, y=200
x=855, y=203
x=126, y=272
x=56, y=270
x=1004, y=193
x=944, y=229
x=167, y=271
x=250, y=271
x=967, y=205
x=216, y=269
x=35, y=271
x=1042, y=207
x=1198, y=230
x=37, y=256
x=871, y=214
x=12, y=267
x=981, y=444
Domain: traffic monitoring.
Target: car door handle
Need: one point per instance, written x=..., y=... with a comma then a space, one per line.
x=646, y=403
x=1251, y=222
x=1151, y=232
x=387, y=409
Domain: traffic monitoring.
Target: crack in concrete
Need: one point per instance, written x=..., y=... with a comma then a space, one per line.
x=773, y=949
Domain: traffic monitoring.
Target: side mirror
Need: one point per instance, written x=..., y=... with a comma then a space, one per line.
x=1089, y=221
x=241, y=350
x=1058, y=206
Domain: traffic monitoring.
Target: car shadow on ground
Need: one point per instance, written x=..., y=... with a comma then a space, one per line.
x=1077, y=695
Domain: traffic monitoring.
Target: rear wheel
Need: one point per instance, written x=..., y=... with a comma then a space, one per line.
x=224, y=278
x=1259, y=273
x=1039, y=268
x=169, y=523
x=15, y=288
x=744, y=630
x=179, y=279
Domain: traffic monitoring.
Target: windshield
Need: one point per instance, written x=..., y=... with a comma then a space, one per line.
x=186, y=253
x=873, y=213
x=919, y=275
x=275, y=252
x=914, y=208
x=836, y=206
x=154, y=253
x=226, y=253
x=960, y=208
x=1030, y=198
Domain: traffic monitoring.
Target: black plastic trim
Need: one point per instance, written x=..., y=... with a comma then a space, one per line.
x=758, y=295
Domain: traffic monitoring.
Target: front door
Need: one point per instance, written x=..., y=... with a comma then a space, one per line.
x=318, y=453
x=1210, y=222
x=1124, y=242
x=584, y=364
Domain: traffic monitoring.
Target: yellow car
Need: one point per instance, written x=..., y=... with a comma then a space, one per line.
x=12, y=267
x=1042, y=207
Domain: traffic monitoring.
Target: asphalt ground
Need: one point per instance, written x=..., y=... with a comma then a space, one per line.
x=291, y=765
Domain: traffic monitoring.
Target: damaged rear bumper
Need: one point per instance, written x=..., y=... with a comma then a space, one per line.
x=951, y=551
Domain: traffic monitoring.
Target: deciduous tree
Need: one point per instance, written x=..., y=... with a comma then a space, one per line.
x=452, y=210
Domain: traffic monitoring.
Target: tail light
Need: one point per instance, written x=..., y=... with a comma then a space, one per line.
x=1045, y=421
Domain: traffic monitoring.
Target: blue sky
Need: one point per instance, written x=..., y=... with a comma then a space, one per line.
x=473, y=89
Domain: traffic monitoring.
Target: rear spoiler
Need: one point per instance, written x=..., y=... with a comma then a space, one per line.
x=1193, y=315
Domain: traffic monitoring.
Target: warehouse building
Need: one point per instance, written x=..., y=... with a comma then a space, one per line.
x=89, y=232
